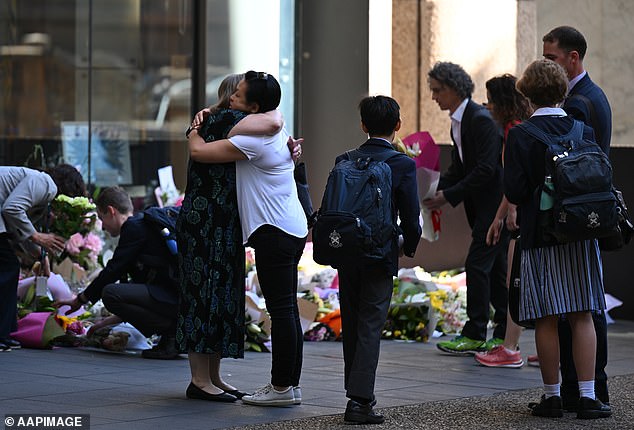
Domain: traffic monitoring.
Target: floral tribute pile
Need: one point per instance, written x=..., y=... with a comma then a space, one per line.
x=423, y=303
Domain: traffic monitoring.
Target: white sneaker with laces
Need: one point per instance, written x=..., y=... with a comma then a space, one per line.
x=297, y=393
x=269, y=396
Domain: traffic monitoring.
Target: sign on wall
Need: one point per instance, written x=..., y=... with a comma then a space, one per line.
x=109, y=152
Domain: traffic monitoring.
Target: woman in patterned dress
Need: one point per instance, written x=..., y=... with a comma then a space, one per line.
x=273, y=223
x=210, y=323
x=561, y=279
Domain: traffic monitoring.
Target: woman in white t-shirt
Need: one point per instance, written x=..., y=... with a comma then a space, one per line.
x=273, y=223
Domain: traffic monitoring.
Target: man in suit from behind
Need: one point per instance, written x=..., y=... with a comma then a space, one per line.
x=585, y=102
x=475, y=179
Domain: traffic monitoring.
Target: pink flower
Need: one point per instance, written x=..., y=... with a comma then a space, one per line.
x=76, y=327
x=93, y=242
x=74, y=244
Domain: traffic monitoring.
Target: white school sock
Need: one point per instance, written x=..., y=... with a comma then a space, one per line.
x=551, y=390
x=586, y=389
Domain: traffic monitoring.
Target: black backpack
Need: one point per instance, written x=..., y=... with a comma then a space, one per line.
x=163, y=222
x=355, y=222
x=578, y=182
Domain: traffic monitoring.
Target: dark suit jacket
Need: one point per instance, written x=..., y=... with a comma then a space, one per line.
x=602, y=122
x=477, y=179
x=524, y=169
x=137, y=239
x=404, y=197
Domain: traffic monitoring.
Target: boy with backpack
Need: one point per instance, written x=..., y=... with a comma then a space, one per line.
x=147, y=294
x=365, y=280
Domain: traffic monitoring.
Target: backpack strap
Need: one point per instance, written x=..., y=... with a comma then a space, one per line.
x=355, y=154
x=591, y=111
x=575, y=134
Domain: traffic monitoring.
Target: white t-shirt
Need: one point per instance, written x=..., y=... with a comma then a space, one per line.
x=266, y=188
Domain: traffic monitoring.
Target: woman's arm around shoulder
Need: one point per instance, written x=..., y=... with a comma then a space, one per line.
x=219, y=151
x=266, y=124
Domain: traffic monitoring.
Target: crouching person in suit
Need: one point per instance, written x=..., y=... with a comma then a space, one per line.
x=146, y=295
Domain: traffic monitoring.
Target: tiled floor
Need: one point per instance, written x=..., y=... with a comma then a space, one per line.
x=126, y=391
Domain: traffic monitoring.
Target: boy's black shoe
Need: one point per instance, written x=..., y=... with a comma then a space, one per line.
x=357, y=413
x=592, y=408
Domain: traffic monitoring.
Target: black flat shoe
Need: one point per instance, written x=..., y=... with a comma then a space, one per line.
x=356, y=413
x=590, y=409
x=12, y=343
x=193, y=392
x=547, y=407
x=237, y=393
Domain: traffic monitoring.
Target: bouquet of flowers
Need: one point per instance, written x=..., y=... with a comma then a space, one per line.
x=75, y=219
x=427, y=176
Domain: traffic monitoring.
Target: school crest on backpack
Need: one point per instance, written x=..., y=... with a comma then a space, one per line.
x=355, y=221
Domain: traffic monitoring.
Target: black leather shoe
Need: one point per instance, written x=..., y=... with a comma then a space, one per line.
x=592, y=408
x=4, y=347
x=237, y=393
x=547, y=407
x=12, y=343
x=362, y=414
x=193, y=392
x=164, y=350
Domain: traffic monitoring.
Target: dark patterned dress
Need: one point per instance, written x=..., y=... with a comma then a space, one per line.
x=211, y=254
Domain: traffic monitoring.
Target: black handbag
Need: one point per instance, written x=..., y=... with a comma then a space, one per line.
x=301, y=181
x=515, y=288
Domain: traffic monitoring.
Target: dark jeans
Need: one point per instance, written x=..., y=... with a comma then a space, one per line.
x=9, y=275
x=134, y=304
x=364, y=294
x=277, y=255
x=486, y=283
x=569, y=383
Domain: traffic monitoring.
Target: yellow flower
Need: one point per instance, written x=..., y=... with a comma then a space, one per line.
x=66, y=321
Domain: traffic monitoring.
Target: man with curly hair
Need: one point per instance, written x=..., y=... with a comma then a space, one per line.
x=474, y=178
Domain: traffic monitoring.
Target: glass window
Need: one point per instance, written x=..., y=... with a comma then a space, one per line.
x=105, y=84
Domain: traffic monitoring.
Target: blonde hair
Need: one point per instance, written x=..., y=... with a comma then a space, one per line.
x=227, y=87
x=544, y=83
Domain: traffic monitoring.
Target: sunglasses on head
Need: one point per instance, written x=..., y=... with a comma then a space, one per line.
x=251, y=75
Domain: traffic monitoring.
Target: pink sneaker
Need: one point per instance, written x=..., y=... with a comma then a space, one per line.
x=499, y=357
x=533, y=360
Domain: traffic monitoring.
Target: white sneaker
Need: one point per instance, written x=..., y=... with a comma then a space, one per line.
x=269, y=396
x=297, y=393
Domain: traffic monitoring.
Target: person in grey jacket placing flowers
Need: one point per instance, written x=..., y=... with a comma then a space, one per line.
x=24, y=198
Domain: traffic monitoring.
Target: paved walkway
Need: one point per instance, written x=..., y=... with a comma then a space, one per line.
x=417, y=387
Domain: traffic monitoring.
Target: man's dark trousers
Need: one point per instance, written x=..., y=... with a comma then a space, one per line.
x=9, y=274
x=486, y=268
x=569, y=384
